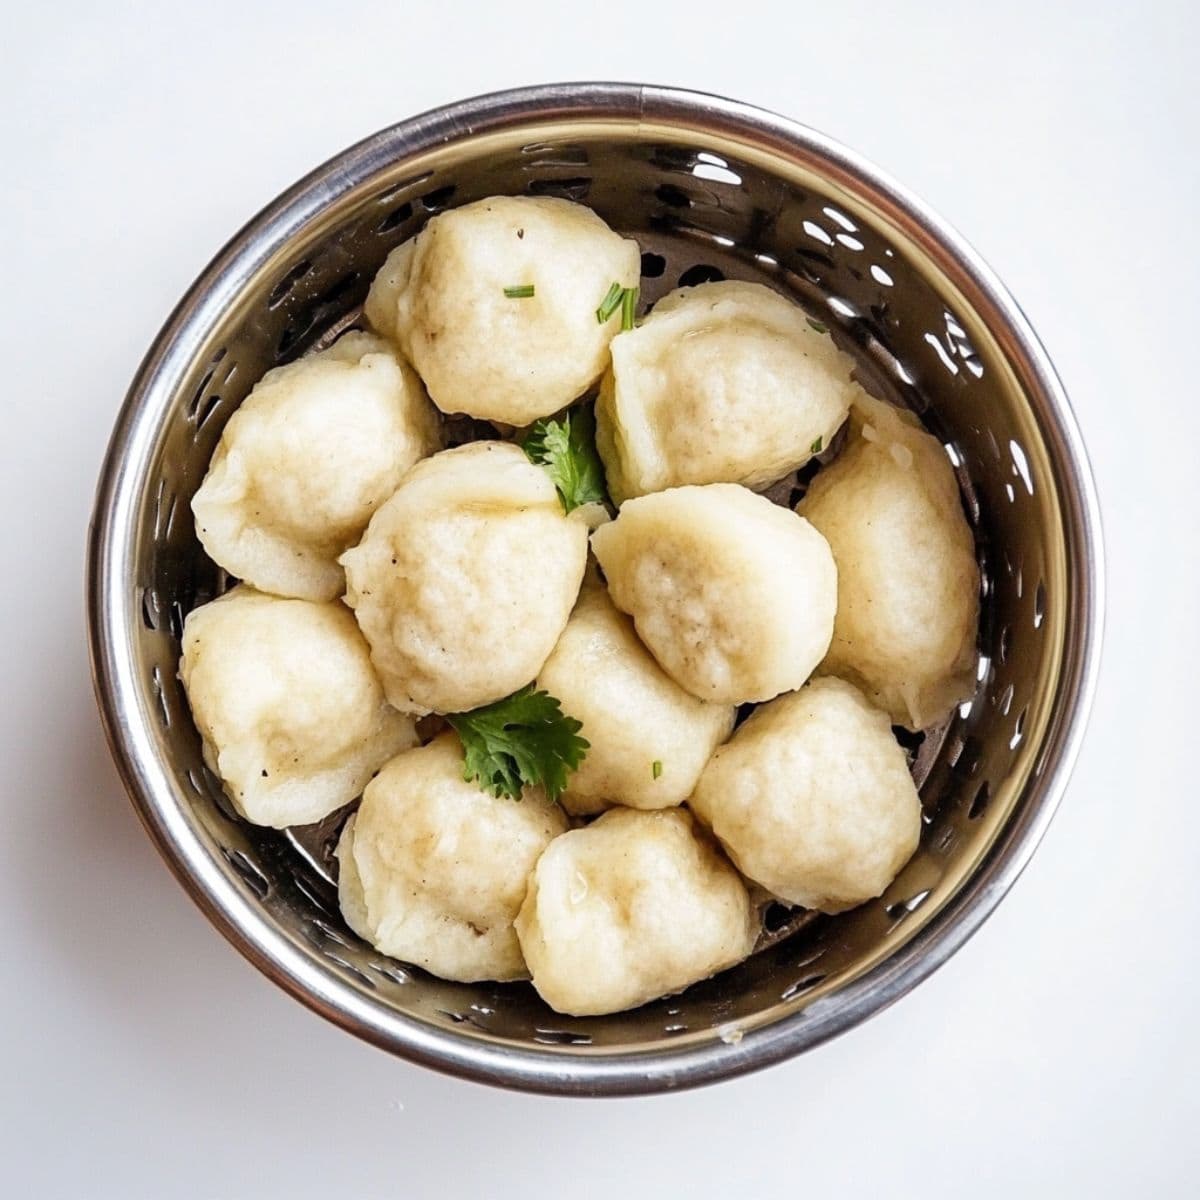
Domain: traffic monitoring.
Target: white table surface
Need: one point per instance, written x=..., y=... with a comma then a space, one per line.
x=1055, y=1055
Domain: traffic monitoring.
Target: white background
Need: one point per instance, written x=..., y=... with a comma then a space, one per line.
x=1055, y=1056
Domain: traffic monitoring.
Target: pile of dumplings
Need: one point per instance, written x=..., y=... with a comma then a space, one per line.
x=737, y=667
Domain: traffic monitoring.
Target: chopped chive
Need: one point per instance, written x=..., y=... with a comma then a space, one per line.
x=815, y=448
x=629, y=299
x=817, y=325
x=520, y=291
x=610, y=303
x=656, y=768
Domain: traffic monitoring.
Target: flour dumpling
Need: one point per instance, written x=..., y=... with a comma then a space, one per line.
x=465, y=578
x=812, y=798
x=314, y=449
x=432, y=870
x=507, y=358
x=649, y=739
x=723, y=383
x=733, y=595
x=908, y=582
x=634, y=906
x=290, y=711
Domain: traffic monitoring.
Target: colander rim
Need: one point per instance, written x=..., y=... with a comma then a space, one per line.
x=111, y=616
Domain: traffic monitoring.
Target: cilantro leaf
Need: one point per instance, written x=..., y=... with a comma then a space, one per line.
x=523, y=739
x=567, y=450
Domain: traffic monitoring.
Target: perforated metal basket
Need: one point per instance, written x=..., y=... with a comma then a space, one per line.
x=709, y=187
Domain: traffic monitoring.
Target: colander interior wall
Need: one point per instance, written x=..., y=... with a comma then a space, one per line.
x=706, y=197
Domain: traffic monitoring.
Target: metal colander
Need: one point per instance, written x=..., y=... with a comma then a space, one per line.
x=711, y=189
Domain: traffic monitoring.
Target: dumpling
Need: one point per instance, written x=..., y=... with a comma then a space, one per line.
x=432, y=870
x=733, y=595
x=465, y=578
x=634, y=906
x=723, y=383
x=314, y=449
x=291, y=713
x=649, y=738
x=812, y=798
x=908, y=582
x=494, y=356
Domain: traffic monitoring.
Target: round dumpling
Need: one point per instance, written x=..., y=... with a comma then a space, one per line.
x=812, y=798
x=733, y=595
x=496, y=356
x=636, y=905
x=433, y=871
x=465, y=578
x=649, y=738
x=722, y=383
x=908, y=582
x=291, y=713
x=314, y=449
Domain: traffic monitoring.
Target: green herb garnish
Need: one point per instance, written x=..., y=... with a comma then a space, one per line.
x=619, y=297
x=656, y=768
x=610, y=303
x=522, y=740
x=628, y=308
x=817, y=325
x=816, y=446
x=520, y=291
x=566, y=448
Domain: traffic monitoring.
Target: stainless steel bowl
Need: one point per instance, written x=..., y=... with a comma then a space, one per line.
x=707, y=186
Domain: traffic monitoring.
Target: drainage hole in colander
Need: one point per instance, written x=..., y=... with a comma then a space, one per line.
x=1018, y=731
x=776, y=916
x=436, y=200
x=801, y=986
x=395, y=218
x=349, y=967
x=329, y=931
x=280, y=292
x=561, y=1037
x=150, y=616
x=980, y=803
x=701, y=273
x=156, y=676
x=674, y=197
x=653, y=265
x=255, y=880
x=565, y=189
x=903, y=908
x=909, y=739
x=404, y=185
x=390, y=971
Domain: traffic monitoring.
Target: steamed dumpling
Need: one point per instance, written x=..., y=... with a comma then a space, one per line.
x=722, y=383
x=314, y=449
x=733, y=595
x=465, y=578
x=636, y=905
x=442, y=297
x=432, y=870
x=812, y=798
x=290, y=711
x=908, y=583
x=649, y=738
